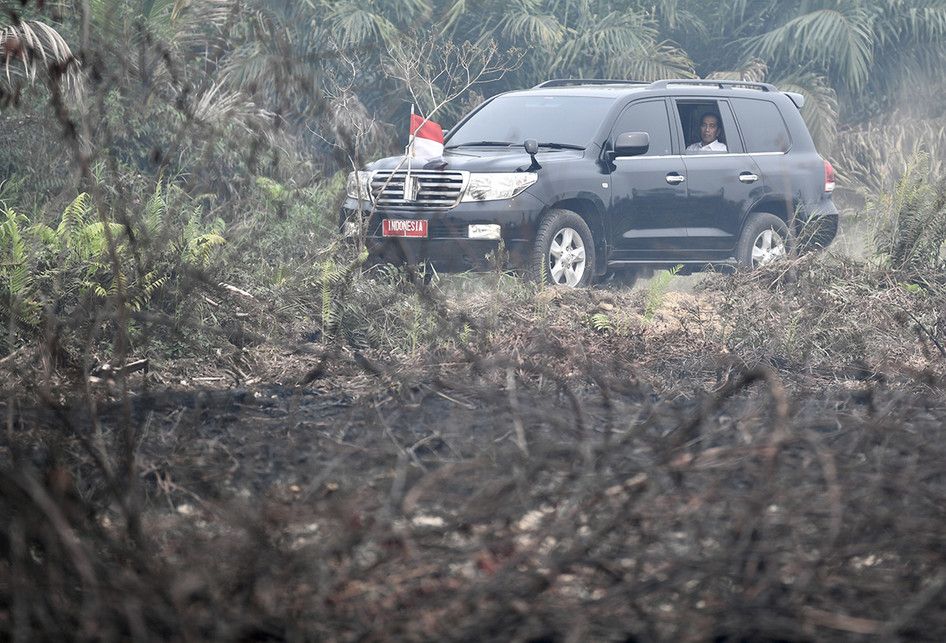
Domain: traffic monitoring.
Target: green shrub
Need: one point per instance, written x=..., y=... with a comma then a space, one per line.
x=657, y=289
x=87, y=265
x=278, y=234
x=911, y=221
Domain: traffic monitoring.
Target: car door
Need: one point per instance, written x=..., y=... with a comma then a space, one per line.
x=768, y=141
x=648, y=192
x=721, y=186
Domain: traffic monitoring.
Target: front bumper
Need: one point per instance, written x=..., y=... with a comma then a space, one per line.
x=448, y=246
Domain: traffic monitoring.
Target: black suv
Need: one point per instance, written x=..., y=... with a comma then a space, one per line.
x=579, y=177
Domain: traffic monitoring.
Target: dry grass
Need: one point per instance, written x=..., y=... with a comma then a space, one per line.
x=759, y=460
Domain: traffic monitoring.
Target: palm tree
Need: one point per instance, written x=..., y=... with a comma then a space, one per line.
x=850, y=55
x=29, y=48
x=837, y=37
x=862, y=47
x=581, y=38
x=625, y=43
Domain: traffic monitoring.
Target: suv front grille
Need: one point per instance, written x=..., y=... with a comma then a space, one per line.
x=428, y=190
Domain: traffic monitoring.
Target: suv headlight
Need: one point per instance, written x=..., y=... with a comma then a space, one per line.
x=358, y=186
x=495, y=186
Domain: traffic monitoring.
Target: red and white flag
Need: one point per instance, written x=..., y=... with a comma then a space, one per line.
x=426, y=140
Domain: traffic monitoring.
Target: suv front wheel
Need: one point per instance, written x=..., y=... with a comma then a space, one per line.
x=764, y=239
x=564, y=250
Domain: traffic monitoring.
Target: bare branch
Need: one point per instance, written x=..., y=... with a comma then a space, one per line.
x=437, y=73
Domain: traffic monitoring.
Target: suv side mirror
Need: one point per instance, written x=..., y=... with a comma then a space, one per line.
x=631, y=144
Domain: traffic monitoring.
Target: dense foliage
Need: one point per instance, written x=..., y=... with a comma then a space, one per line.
x=303, y=71
x=248, y=112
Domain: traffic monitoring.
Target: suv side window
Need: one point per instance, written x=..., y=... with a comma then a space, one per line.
x=691, y=114
x=651, y=117
x=762, y=125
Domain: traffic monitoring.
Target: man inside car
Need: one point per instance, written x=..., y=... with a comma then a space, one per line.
x=709, y=135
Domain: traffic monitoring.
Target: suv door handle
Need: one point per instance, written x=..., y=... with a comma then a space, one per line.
x=675, y=179
x=748, y=177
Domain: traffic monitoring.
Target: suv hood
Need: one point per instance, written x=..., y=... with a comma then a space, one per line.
x=481, y=160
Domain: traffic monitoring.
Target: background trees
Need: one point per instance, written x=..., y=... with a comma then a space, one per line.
x=297, y=70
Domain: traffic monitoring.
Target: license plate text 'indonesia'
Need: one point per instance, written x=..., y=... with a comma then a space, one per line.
x=404, y=228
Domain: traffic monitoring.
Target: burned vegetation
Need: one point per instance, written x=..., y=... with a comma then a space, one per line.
x=221, y=423
x=529, y=472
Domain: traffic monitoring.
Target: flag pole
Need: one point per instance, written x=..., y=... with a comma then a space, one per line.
x=409, y=152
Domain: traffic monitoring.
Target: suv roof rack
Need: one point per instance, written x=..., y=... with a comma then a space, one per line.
x=567, y=82
x=720, y=83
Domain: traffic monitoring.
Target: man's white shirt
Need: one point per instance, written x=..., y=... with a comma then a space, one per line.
x=715, y=146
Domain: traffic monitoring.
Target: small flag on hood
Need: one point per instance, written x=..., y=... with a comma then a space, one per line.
x=426, y=140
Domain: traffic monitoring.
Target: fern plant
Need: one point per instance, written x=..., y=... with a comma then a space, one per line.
x=911, y=231
x=332, y=275
x=657, y=290
x=200, y=243
x=602, y=323
x=18, y=298
x=85, y=260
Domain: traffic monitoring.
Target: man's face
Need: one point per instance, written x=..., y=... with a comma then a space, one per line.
x=709, y=129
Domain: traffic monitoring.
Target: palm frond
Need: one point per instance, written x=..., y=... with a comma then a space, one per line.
x=16, y=278
x=146, y=287
x=453, y=14
x=44, y=234
x=839, y=39
x=191, y=24
x=76, y=216
x=357, y=26
x=821, y=107
x=871, y=157
x=659, y=61
x=753, y=70
x=157, y=15
x=621, y=31
x=155, y=210
x=30, y=46
x=405, y=12
x=910, y=228
x=523, y=22
x=105, y=12
x=219, y=107
x=352, y=127
x=91, y=243
x=676, y=15
x=200, y=249
x=903, y=21
x=594, y=41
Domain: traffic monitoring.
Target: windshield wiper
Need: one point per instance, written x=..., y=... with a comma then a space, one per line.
x=562, y=146
x=482, y=143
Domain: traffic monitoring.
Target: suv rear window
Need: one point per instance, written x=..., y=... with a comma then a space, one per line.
x=762, y=126
x=569, y=120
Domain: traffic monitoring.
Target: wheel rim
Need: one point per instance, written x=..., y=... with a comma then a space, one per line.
x=567, y=258
x=769, y=246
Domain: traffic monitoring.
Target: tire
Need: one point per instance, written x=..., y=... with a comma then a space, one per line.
x=564, y=251
x=764, y=239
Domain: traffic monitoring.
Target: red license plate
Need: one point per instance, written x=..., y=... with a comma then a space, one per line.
x=404, y=227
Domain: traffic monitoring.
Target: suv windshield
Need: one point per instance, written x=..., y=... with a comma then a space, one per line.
x=566, y=120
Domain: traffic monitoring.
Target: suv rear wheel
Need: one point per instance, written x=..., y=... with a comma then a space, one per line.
x=764, y=239
x=564, y=250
